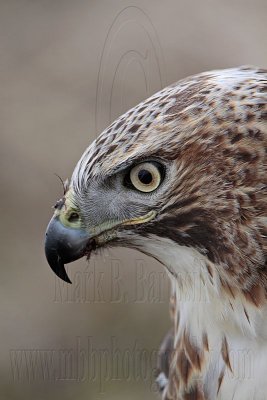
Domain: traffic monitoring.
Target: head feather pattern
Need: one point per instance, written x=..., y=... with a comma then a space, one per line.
x=212, y=128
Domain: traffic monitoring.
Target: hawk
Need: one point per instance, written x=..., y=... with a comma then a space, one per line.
x=182, y=177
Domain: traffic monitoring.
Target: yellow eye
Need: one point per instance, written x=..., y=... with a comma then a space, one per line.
x=145, y=177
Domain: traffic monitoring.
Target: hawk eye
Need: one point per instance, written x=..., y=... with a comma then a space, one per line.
x=145, y=177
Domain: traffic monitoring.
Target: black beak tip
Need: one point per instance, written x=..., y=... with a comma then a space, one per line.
x=52, y=255
x=61, y=273
x=63, y=245
x=56, y=263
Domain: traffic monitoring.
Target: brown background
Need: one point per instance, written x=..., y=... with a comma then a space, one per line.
x=67, y=69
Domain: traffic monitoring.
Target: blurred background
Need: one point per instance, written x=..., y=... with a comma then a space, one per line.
x=68, y=68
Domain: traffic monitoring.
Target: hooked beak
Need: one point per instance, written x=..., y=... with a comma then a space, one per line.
x=66, y=240
x=64, y=245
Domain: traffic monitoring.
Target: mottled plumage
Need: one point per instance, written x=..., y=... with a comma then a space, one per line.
x=206, y=222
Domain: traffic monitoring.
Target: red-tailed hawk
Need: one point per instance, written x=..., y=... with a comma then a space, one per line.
x=182, y=177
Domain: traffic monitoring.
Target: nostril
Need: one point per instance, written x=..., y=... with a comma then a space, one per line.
x=73, y=217
x=59, y=204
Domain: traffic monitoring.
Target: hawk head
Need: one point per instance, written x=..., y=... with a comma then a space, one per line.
x=181, y=176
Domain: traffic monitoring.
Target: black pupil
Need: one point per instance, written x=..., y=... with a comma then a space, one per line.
x=145, y=176
x=73, y=217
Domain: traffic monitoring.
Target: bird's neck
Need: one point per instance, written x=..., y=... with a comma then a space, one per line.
x=205, y=304
x=205, y=300
x=209, y=322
